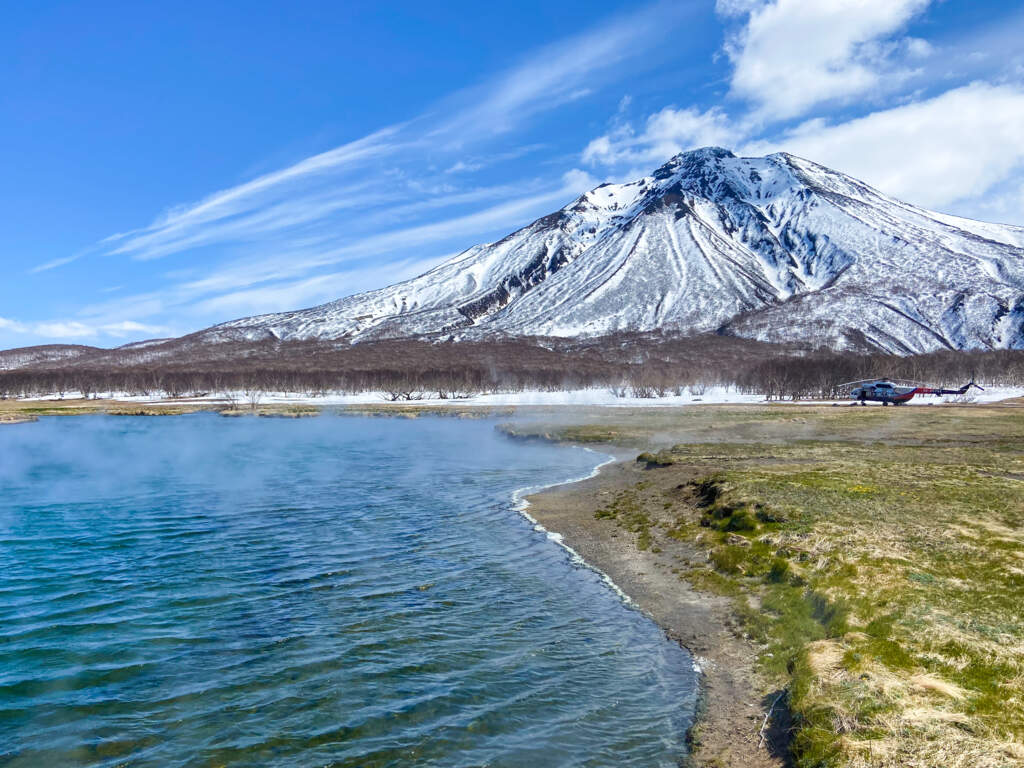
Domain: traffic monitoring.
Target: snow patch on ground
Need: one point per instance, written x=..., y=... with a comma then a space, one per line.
x=579, y=397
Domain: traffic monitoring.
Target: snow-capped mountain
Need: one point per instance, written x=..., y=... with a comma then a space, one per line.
x=775, y=248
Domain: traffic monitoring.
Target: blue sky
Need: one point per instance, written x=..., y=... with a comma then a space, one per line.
x=170, y=166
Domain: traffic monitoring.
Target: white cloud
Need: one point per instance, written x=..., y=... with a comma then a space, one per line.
x=578, y=181
x=918, y=48
x=285, y=296
x=462, y=167
x=267, y=219
x=126, y=328
x=74, y=329
x=474, y=163
x=664, y=134
x=794, y=54
x=64, y=330
x=53, y=264
x=954, y=147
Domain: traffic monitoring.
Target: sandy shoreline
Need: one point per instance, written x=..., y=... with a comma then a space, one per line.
x=733, y=699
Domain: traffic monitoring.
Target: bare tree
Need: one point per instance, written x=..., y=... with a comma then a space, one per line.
x=253, y=396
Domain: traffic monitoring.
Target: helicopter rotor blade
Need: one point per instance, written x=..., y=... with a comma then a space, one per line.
x=859, y=381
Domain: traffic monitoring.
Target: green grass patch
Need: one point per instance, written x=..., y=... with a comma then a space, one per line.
x=907, y=561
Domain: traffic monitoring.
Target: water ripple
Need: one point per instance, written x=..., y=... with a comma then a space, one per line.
x=344, y=592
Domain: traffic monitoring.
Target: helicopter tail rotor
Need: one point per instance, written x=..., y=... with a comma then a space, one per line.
x=972, y=383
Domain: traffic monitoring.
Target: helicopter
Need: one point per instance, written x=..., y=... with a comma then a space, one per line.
x=885, y=391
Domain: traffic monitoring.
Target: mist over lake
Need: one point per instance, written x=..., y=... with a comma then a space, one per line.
x=197, y=590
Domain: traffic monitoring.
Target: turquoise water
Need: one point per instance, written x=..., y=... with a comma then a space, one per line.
x=205, y=591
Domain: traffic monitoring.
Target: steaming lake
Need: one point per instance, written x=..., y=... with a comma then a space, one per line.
x=195, y=590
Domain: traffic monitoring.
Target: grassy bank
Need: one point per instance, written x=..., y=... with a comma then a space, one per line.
x=874, y=558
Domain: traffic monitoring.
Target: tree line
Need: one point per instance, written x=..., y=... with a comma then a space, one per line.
x=639, y=365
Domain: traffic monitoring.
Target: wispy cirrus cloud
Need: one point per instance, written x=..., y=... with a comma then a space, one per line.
x=295, y=294
x=285, y=214
x=53, y=264
x=311, y=273
x=382, y=167
x=558, y=73
x=273, y=202
x=303, y=258
x=372, y=209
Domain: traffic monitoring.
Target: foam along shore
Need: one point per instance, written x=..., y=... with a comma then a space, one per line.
x=849, y=579
x=647, y=577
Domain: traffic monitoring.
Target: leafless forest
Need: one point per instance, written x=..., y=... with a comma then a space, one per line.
x=647, y=365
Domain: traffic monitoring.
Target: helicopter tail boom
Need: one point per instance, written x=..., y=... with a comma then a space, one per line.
x=938, y=391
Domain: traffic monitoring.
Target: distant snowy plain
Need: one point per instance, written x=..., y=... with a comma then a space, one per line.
x=579, y=397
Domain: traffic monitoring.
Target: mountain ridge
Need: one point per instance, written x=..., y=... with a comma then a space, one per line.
x=773, y=248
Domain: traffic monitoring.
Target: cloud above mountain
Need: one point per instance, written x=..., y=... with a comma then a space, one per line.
x=791, y=55
x=955, y=148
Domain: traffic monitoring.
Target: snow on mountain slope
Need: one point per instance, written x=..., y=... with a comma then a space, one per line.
x=775, y=248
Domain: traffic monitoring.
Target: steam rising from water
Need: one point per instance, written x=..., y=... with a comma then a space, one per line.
x=193, y=590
